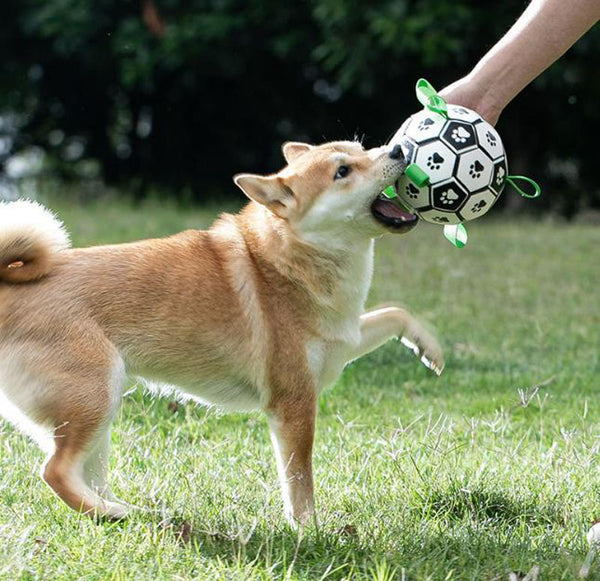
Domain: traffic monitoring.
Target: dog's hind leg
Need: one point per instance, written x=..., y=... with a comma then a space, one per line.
x=77, y=468
x=64, y=472
x=95, y=468
x=77, y=472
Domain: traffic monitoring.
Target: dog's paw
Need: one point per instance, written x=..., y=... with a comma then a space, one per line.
x=425, y=346
x=301, y=519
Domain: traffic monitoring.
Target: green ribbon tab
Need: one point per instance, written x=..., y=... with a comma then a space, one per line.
x=456, y=234
x=536, y=187
x=389, y=192
x=429, y=98
x=416, y=175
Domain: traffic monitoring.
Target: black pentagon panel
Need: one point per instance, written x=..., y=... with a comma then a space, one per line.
x=448, y=197
x=459, y=136
x=499, y=176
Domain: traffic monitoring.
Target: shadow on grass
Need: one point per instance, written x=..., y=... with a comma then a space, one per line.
x=486, y=506
x=479, y=536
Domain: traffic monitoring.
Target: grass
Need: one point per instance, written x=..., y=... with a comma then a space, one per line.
x=470, y=476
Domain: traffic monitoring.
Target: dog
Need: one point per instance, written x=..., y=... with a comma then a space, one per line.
x=261, y=311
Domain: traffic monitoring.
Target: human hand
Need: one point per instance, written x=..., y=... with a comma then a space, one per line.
x=468, y=93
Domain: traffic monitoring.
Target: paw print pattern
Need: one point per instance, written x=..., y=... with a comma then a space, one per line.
x=475, y=169
x=460, y=135
x=411, y=191
x=500, y=176
x=425, y=124
x=435, y=161
x=460, y=111
x=440, y=219
x=478, y=206
x=449, y=197
x=489, y=140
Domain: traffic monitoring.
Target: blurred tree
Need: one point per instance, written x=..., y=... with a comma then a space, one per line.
x=182, y=94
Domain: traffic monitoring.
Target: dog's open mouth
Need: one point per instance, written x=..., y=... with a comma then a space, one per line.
x=391, y=214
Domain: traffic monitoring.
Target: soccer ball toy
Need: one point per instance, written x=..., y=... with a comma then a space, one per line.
x=456, y=163
x=463, y=157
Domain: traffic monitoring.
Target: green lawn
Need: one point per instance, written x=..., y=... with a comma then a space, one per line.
x=417, y=477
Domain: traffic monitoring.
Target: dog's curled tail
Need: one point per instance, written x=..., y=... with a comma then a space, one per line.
x=31, y=237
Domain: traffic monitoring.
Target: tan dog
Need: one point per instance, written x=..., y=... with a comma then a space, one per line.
x=261, y=311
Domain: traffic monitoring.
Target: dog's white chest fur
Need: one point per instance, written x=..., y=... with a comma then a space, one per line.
x=340, y=331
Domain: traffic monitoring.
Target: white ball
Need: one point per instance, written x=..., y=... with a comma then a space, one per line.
x=464, y=158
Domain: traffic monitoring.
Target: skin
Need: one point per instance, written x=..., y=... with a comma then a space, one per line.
x=543, y=33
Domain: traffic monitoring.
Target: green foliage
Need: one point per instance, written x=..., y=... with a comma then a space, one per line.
x=218, y=86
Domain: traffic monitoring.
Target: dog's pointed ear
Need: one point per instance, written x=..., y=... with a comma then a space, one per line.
x=270, y=191
x=292, y=149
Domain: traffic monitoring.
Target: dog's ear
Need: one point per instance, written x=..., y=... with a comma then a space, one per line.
x=292, y=149
x=270, y=191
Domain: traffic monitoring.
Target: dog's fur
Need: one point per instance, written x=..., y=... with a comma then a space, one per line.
x=261, y=311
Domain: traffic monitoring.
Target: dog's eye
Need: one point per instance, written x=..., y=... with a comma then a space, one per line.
x=342, y=172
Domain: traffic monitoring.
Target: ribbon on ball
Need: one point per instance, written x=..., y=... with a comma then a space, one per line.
x=429, y=98
x=456, y=234
x=536, y=187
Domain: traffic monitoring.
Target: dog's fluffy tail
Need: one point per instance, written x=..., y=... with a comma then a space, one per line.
x=31, y=237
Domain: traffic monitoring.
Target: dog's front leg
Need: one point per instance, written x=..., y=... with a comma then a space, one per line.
x=381, y=325
x=292, y=426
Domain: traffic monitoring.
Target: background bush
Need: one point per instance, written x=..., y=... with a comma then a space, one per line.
x=178, y=95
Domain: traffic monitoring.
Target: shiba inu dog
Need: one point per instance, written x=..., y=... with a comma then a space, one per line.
x=263, y=310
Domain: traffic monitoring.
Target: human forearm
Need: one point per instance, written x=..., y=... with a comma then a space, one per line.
x=543, y=33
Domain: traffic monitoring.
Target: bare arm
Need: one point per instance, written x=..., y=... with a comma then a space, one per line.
x=543, y=33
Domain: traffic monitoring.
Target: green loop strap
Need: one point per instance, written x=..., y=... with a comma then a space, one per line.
x=513, y=179
x=456, y=234
x=429, y=98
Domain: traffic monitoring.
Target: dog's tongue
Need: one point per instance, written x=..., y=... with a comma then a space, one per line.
x=390, y=209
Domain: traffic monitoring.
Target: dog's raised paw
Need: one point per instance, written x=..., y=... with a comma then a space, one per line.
x=430, y=357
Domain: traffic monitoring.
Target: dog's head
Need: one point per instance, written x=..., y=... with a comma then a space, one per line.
x=333, y=190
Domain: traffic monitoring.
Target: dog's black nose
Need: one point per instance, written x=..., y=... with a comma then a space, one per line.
x=396, y=152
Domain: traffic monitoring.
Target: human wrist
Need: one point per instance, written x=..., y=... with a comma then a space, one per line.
x=489, y=106
x=476, y=94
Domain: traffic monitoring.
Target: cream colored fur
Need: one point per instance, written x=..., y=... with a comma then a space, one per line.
x=25, y=219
